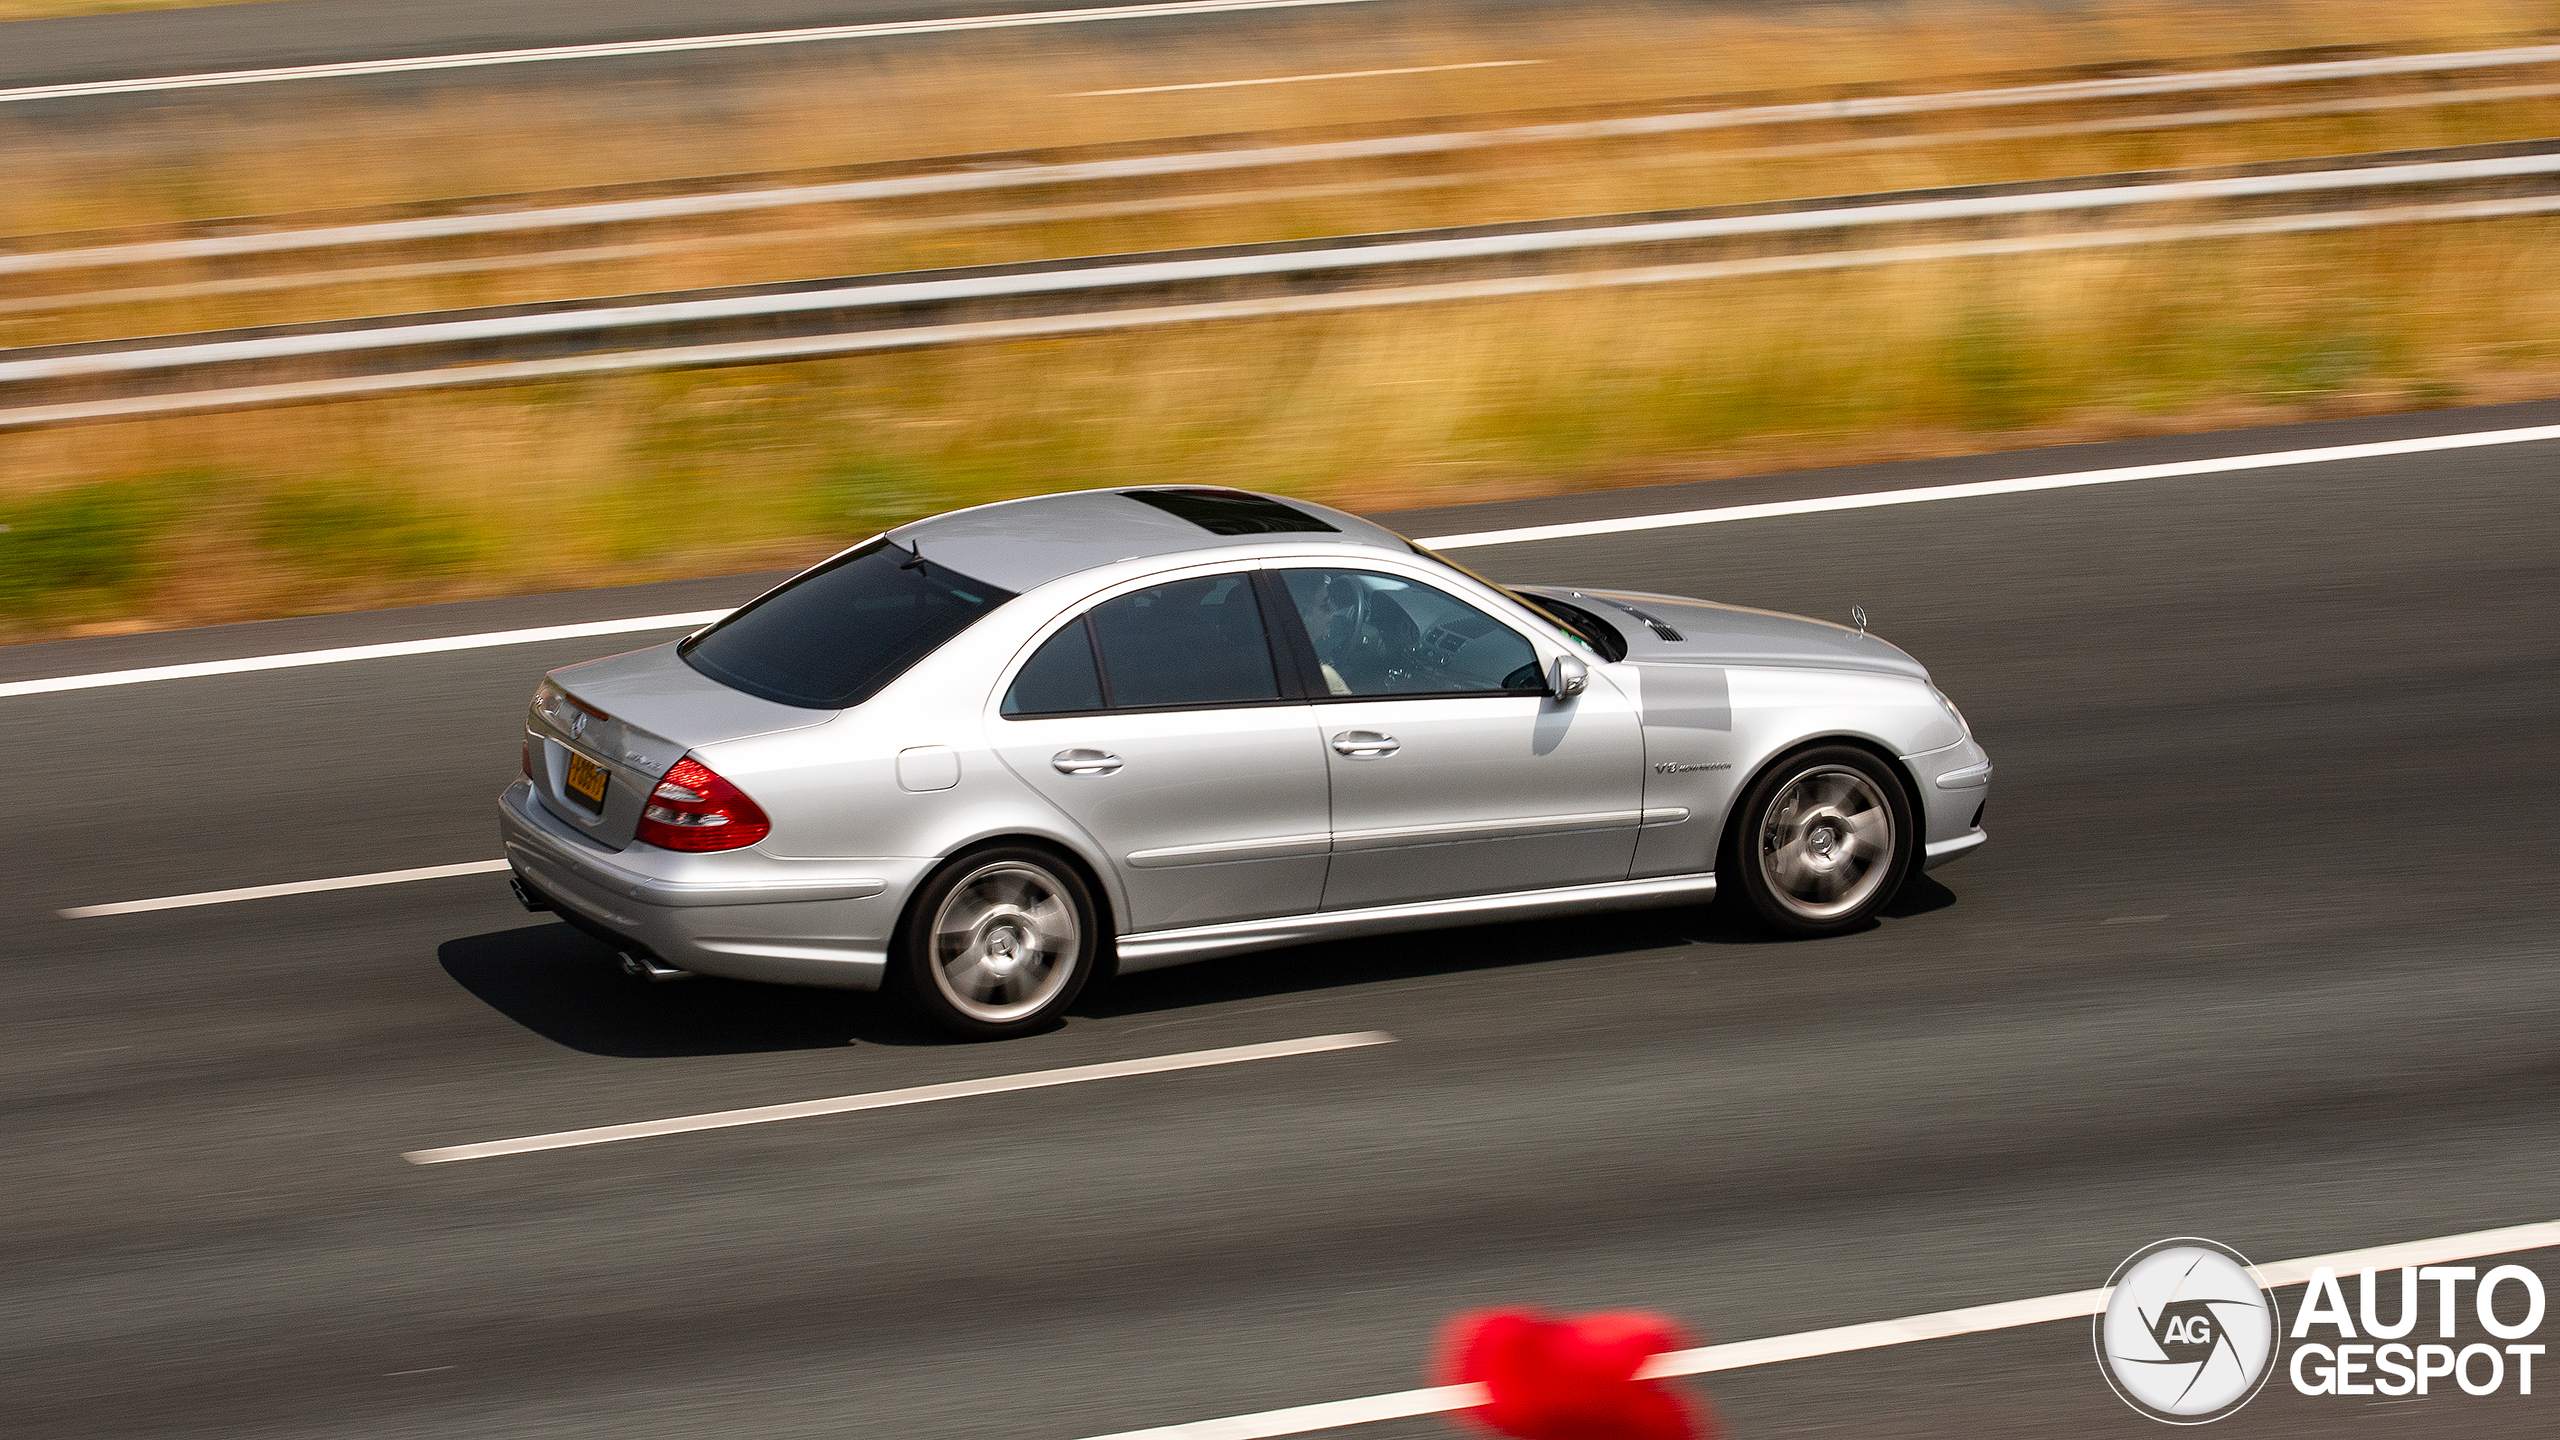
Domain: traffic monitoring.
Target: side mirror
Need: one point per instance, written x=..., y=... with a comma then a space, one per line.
x=1569, y=677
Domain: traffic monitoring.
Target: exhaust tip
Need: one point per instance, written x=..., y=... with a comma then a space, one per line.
x=526, y=897
x=641, y=967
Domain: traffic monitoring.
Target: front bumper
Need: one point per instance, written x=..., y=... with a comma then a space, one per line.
x=740, y=914
x=1955, y=788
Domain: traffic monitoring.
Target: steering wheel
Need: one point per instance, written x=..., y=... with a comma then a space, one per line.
x=1386, y=640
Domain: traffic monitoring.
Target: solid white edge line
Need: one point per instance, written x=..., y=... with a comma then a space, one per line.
x=1473, y=540
x=1972, y=1320
x=1298, y=79
x=916, y=1095
x=2322, y=455
x=294, y=887
x=684, y=620
x=617, y=49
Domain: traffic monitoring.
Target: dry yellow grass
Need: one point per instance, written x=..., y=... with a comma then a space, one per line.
x=353, y=151
x=220, y=153
x=192, y=519
x=630, y=478
x=1525, y=183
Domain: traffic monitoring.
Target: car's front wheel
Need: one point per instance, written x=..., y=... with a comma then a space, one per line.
x=1821, y=841
x=998, y=942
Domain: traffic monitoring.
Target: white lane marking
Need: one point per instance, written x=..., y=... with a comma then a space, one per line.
x=1973, y=1320
x=619, y=49
x=295, y=887
x=1067, y=280
x=2220, y=465
x=2225, y=464
x=917, y=1095
x=669, y=206
x=1297, y=79
x=684, y=620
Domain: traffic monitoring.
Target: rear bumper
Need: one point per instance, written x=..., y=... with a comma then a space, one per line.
x=741, y=914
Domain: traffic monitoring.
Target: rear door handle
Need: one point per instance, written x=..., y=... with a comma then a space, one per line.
x=1085, y=762
x=1365, y=744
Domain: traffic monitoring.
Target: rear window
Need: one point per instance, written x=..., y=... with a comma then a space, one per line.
x=833, y=637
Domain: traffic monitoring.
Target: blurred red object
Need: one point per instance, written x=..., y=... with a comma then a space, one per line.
x=1570, y=1377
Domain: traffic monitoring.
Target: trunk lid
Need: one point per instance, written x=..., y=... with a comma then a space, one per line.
x=1713, y=634
x=632, y=717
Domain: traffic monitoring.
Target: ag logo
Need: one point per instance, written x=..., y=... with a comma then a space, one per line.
x=2189, y=1334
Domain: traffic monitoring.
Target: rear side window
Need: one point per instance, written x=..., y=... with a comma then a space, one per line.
x=1194, y=642
x=833, y=637
x=1060, y=678
x=1190, y=643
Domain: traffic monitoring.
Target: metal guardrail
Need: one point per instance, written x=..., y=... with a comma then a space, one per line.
x=761, y=324
x=982, y=176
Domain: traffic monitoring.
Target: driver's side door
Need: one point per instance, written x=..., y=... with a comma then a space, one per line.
x=1453, y=771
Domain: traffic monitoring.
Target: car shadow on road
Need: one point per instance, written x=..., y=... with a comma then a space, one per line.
x=1443, y=952
x=566, y=987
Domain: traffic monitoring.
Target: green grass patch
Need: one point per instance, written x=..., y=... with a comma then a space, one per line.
x=83, y=552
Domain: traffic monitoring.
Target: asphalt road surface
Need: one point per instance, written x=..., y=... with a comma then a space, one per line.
x=279, y=33
x=2261, y=950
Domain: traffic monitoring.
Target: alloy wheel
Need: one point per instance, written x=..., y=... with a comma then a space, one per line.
x=1004, y=942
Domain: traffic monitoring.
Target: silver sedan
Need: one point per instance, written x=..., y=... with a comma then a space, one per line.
x=990, y=757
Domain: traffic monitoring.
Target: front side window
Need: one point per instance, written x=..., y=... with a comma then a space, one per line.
x=1572, y=623
x=831, y=638
x=1381, y=635
x=1189, y=643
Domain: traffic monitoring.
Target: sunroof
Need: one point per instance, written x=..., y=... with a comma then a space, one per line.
x=1230, y=512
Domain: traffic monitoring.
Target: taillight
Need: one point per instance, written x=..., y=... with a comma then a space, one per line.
x=694, y=809
x=528, y=757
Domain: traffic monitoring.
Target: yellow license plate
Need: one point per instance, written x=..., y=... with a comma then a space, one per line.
x=587, y=779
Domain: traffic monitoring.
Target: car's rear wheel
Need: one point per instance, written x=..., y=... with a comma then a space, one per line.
x=1821, y=841
x=998, y=942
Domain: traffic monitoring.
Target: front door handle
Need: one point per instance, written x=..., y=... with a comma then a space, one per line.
x=1365, y=744
x=1085, y=762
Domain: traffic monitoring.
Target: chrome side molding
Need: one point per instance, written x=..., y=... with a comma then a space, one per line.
x=1155, y=949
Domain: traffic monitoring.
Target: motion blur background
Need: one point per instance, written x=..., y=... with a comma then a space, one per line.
x=163, y=515
x=2261, y=949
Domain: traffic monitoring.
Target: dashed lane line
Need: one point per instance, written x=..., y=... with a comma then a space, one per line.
x=916, y=1095
x=290, y=887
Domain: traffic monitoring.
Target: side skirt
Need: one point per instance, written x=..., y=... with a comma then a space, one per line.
x=1155, y=949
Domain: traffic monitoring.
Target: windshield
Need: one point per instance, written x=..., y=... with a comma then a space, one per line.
x=1575, y=624
x=833, y=637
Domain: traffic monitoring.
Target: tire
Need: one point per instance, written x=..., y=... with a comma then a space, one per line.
x=998, y=942
x=1821, y=841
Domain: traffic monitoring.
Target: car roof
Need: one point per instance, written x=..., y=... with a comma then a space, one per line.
x=1023, y=544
